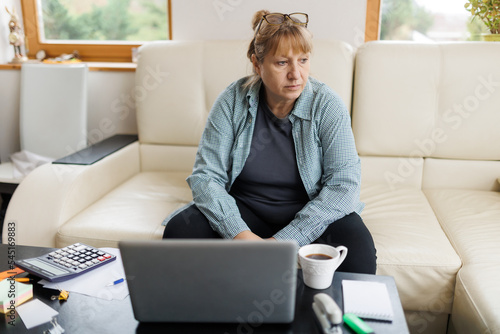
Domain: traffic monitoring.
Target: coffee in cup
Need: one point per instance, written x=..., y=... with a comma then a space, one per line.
x=319, y=262
x=319, y=256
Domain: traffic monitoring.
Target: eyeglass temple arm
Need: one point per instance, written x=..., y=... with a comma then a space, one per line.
x=258, y=27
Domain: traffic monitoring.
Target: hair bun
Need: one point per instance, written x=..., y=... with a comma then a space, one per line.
x=257, y=17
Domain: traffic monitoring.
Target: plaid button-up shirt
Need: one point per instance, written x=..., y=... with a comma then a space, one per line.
x=327, y=159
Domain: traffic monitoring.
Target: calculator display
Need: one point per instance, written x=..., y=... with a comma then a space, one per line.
x=45, y=266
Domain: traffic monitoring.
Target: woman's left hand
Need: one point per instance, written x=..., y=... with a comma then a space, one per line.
x=249, y=235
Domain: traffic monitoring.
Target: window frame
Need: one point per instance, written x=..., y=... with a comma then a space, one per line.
x=92, y=52
x=123, y=52
x=372, y=25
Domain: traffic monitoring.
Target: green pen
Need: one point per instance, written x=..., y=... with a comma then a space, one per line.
x=358, y=325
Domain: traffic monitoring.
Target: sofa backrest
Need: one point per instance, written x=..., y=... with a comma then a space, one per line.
x=426, y=108
x=177, y=83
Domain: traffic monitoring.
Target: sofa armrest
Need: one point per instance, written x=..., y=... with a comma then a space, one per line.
x=98, y=151
x=54, y=193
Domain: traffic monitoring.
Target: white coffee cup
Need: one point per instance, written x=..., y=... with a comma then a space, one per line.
x=318, y=273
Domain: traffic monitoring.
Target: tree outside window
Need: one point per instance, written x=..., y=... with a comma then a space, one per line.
x=98, y=30
x=428, y=21
x=104, y=20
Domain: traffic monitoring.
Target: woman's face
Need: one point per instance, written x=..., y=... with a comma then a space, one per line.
x=284, y=75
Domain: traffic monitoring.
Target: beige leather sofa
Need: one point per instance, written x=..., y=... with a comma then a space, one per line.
x=426, y=121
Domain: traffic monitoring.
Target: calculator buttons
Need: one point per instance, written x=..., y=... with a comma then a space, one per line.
x=80, y=248
x=77, y=258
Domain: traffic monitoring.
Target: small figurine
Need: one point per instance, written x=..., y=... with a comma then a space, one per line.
x=16, y=37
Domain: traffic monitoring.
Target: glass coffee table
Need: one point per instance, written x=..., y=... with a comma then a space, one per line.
x=84, y=314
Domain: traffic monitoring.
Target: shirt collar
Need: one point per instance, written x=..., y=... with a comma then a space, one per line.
x=302, y=107
x=253, y=97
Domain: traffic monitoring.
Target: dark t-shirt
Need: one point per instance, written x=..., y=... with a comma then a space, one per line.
x=270, y=184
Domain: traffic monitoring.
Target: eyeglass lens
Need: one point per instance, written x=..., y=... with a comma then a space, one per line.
x=280, y=18
x=299, y=18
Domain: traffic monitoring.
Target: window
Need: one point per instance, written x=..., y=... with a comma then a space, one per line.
x=428, y=21
x=100, y=30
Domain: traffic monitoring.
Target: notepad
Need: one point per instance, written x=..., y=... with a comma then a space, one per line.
x=13, y=293
x=368, y=300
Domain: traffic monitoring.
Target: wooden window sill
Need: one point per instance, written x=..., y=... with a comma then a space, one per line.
x=93, y=66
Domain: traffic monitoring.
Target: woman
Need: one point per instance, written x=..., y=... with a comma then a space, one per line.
x=277, y=158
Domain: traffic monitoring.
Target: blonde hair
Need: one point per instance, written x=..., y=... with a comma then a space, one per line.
x=274, y=39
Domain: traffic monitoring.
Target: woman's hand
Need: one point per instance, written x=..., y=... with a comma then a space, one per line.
x=249, y=235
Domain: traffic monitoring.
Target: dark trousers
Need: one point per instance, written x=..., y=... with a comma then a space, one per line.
x=349, y=231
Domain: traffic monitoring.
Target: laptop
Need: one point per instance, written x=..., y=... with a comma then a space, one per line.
x=211, y=281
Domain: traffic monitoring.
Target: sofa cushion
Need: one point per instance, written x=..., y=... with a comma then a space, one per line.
x=461, y=174
x=411, y=246
x=174, y=109
x=393, y=171
x=471, y=220
x=476, y=308
x=172, y=158
x=427, y=100
x=133, y=210
x=332, y=62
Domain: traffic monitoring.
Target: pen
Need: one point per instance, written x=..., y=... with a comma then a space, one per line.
x=23, y=279
x=118, y=281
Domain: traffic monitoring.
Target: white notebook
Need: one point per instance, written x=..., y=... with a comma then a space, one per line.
x=368, y=300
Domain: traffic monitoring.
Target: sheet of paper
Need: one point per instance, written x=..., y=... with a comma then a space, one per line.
x=35, y=313
x=94, y=283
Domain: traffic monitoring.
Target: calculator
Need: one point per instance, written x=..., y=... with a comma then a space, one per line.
x=66, y=263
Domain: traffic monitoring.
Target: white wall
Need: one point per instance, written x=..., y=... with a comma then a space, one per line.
x=9, y=86
x=9, y=115
x=231, y=19
x=111, y=108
